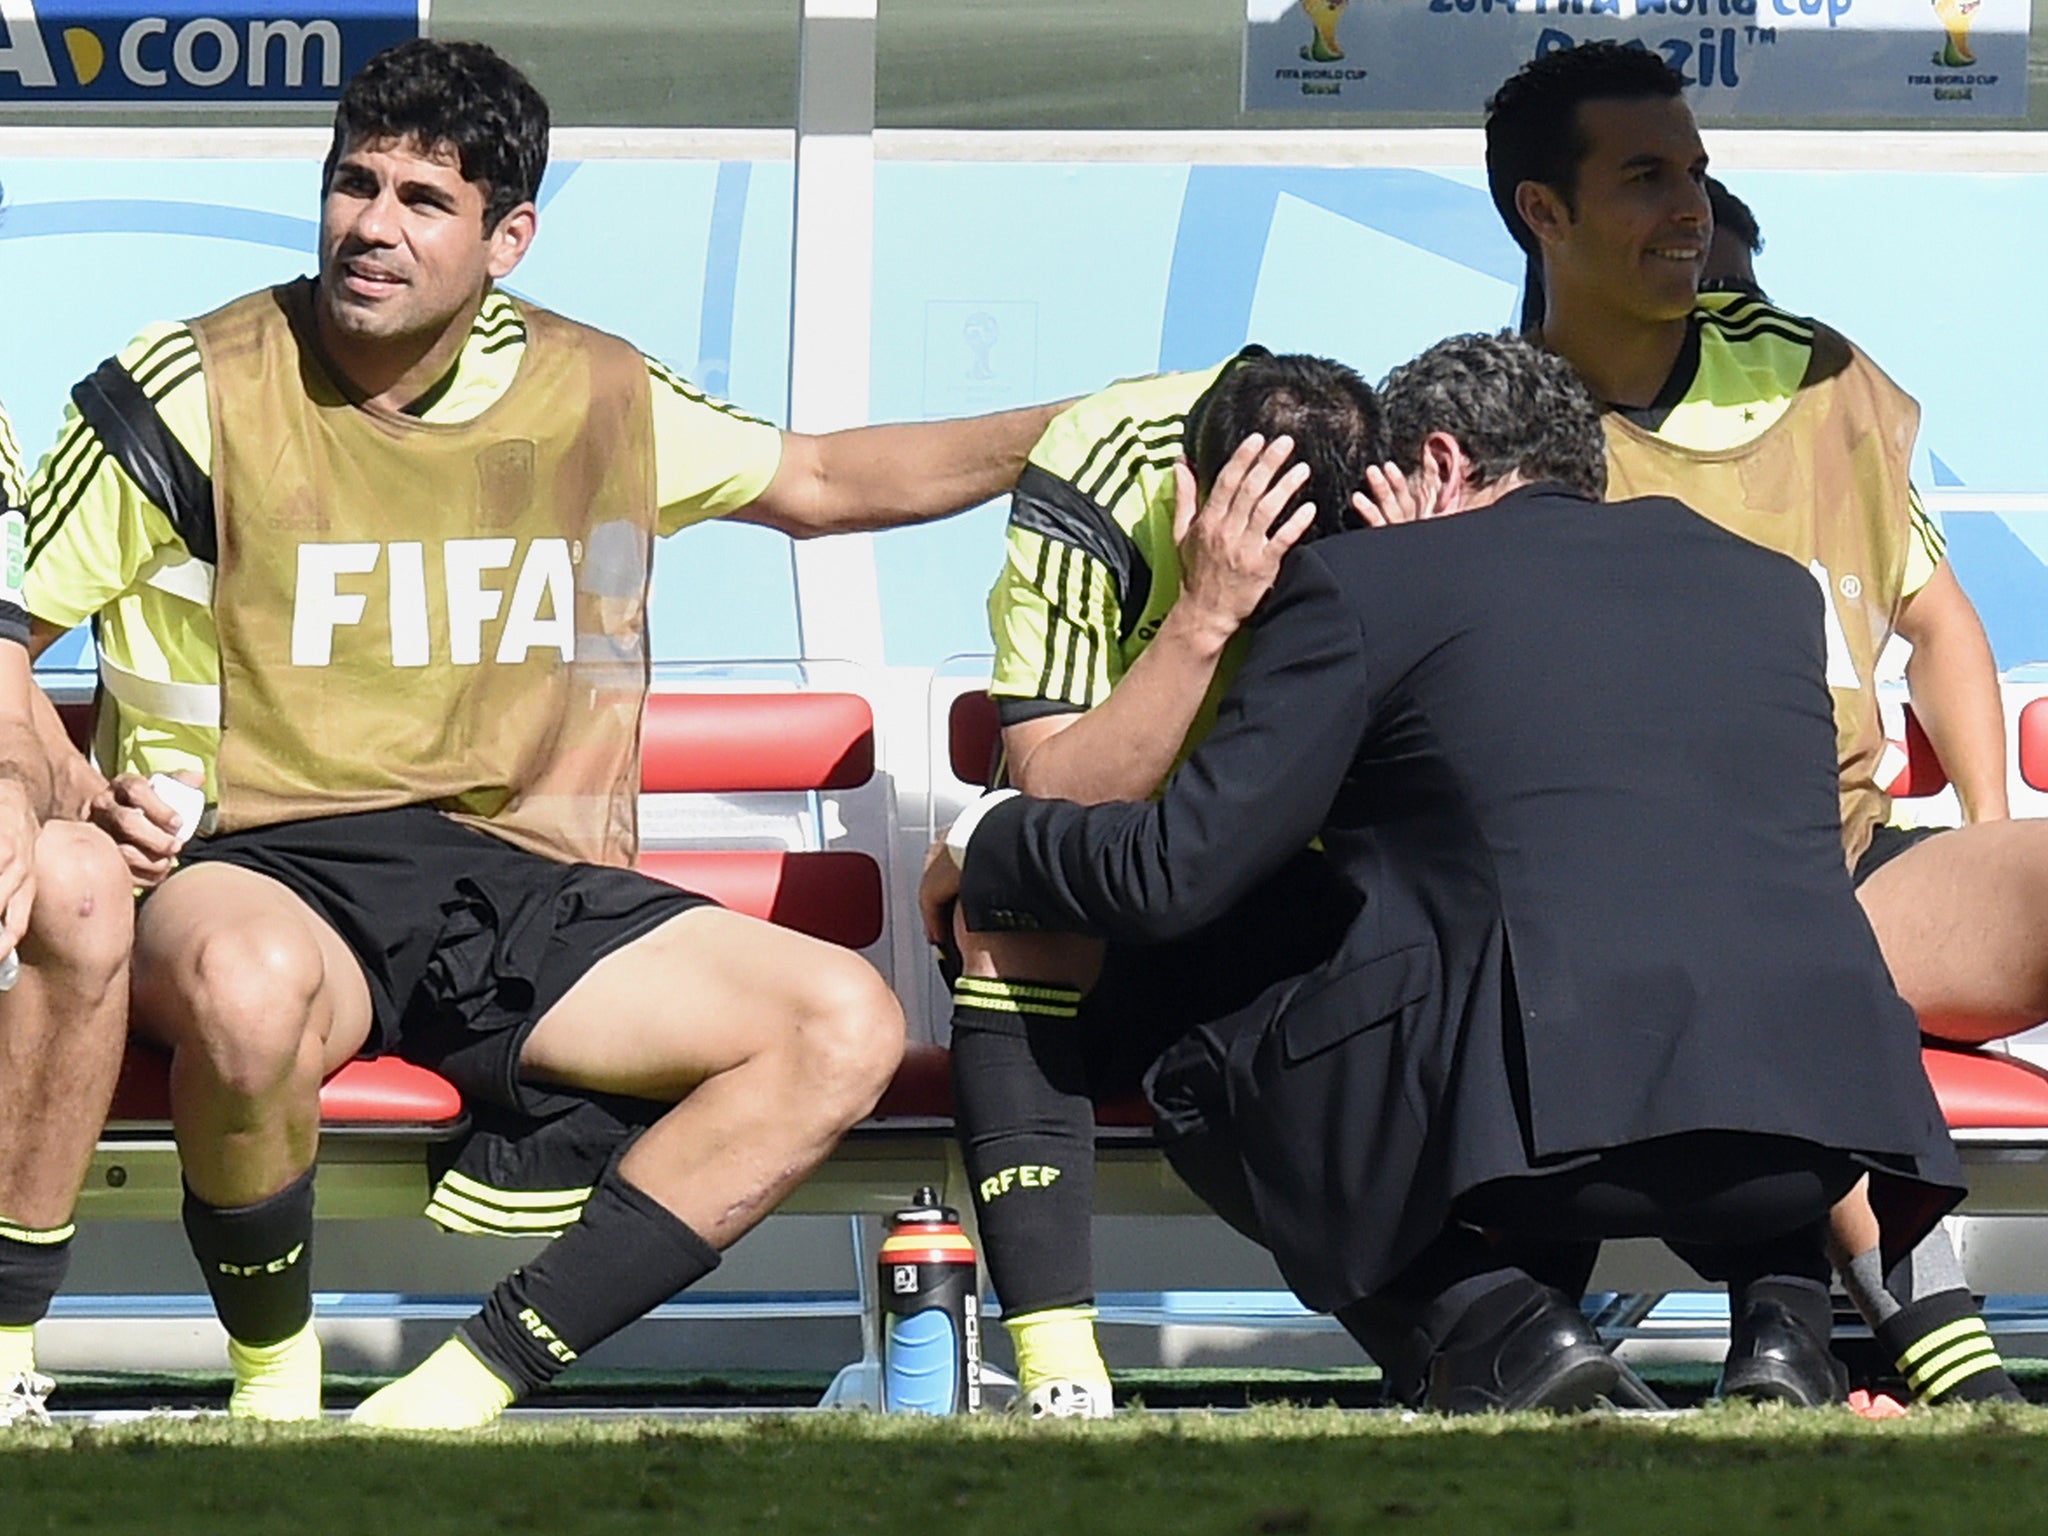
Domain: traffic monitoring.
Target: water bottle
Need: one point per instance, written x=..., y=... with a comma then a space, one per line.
x=931, y=1312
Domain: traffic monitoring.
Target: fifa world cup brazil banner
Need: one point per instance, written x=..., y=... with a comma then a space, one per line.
x=192, y=53
x=1796, y=59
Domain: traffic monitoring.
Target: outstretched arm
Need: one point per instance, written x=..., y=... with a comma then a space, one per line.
x=1251, y=797
x=890, y=476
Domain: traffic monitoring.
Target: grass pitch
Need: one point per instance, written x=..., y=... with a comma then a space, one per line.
x=1272, y=1469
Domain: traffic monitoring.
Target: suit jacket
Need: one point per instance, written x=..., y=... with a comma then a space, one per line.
x=1580, y=760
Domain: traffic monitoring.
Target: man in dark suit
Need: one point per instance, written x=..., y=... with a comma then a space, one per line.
x=1579, y=761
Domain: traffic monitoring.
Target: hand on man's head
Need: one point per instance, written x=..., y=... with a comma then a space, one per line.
x=1391, y=497
x=1232, y=541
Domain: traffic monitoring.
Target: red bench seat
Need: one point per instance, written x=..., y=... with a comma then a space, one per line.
x=380, y=1094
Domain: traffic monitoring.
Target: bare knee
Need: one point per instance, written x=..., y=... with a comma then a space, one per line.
x=848, y=1036
x=237, y=1005
x=83, y=921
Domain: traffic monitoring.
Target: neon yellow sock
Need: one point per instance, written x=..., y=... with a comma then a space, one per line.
x=450, y=1389
x=1057, y=1344
x=278, y=1382
x=17, y=1350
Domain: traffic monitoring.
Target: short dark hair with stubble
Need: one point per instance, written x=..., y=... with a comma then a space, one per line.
x=1331, y=413
x=1510, y=404
x=1532, y=121
x=451, y=96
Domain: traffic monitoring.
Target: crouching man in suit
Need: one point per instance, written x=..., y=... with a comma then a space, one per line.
x=1609, y=977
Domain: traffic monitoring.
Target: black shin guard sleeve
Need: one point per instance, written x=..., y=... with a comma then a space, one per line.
x=30, y=1274
x=257, y=1261
x=1945, y=1351
x=625, y=1256
x=1027, y=1132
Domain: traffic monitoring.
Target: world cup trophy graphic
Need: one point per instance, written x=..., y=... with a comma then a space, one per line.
x=1324, y=15
x=1955, y=17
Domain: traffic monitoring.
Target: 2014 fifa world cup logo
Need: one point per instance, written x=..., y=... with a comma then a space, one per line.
x=1324, y=15
x=1955, y=17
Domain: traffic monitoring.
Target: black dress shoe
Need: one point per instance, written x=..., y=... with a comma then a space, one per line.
x=1773, y=1357
x=1543, y=1354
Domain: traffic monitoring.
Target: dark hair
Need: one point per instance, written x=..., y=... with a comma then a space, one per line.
x=1732, y=213
x=459, y=96
x=1510, y=404
x=1331, y=413
x=1532, y=121
x=1535, y=299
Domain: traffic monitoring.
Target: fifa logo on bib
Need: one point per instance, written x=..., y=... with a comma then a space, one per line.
x=336, y=581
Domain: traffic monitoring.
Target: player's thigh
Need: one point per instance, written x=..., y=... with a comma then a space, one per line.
x=708, y=991
x=1960, y=918
x=219, y=929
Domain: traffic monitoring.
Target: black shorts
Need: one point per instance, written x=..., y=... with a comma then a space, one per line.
x=1149, y=995
x=465, y=941
x=1887, y=843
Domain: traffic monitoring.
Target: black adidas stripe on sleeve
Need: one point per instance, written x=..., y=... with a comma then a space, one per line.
x=111, y=402
x=1055, y=509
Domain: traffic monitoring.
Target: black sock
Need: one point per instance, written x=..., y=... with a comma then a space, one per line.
x=1563, y=1266
x=257, y=1261
x=1390, y=1331
x=1805, y=1298
x=1476, y=1308
x=32, y=1266
x=625, y=1256
x=1945, y=1352
x=1459, y=1279
x=1027, y=1134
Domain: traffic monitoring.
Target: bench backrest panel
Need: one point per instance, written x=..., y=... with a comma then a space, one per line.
x=829, y=894
x=77, y=717
x=1923, y=774
x=973, y=734
x=741, y=743
x=2033, y=734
